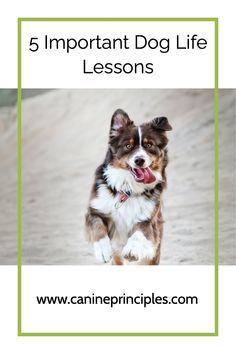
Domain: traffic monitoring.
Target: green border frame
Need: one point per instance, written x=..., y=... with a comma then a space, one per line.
x=19, y=171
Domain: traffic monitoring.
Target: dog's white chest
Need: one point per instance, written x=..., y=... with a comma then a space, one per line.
x=124, y=215
x=127, y=214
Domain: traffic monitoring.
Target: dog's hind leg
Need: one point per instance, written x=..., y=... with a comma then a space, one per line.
x=116, y=259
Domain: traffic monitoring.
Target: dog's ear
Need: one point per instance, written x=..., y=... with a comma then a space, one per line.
x=119, y=121
x=161, y=123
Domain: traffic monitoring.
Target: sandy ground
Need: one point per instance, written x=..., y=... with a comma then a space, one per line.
x=65, y=138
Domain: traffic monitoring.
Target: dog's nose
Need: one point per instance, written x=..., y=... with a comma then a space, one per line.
x=139, y=161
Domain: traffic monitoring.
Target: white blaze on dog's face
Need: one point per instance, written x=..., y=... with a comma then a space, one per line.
x=140, y=157
x=141, y=150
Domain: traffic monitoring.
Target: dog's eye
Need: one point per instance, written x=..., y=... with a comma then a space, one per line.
x=128, y=146
x=149, y=145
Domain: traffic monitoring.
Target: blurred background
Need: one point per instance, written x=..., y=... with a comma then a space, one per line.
x=64, y=139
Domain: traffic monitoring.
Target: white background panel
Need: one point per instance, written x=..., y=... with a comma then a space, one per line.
x=179, y=68
x=109, y=281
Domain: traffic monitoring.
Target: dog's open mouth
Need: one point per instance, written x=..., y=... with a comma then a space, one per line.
x=143, y=175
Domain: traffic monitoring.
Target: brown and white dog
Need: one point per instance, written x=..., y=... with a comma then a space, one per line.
x=124, y=218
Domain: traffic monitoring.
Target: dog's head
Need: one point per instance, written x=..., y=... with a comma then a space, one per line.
x=140, y=149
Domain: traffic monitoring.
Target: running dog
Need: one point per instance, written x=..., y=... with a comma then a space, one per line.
x=124, y=219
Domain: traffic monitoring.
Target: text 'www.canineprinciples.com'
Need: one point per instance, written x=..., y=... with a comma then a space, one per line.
x=111, y=301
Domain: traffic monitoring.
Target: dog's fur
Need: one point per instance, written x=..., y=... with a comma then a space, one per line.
x=124, y=219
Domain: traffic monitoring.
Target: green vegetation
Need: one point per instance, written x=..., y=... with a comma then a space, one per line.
x=8, y=97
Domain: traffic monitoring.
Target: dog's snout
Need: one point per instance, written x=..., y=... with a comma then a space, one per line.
x=139, y=161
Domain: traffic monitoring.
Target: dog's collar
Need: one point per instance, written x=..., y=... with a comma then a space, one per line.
x=122, y=197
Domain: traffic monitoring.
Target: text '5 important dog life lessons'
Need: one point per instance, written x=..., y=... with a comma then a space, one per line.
x=138, y=42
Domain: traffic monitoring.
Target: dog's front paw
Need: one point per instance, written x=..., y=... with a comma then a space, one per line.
x=138, y=247
x=102, y=249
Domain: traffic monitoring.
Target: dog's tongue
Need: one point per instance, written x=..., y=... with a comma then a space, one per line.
x=143, y=175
